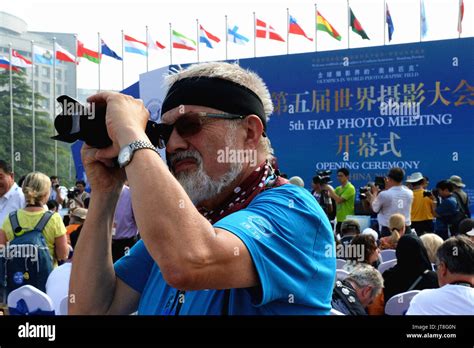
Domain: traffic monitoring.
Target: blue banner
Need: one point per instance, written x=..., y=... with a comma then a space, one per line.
x=371, y=109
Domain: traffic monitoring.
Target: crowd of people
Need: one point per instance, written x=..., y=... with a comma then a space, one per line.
x=200, y=236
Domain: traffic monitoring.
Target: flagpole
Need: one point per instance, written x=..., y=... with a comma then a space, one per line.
x=459, y=20
x=420, y=21
x=147, y=44
x=197, y=37
x=254, y=36
x=11, y=109
x=54, y=106
x=98, y=51
x=287, y=30
x=75, y=39
x=385, y=20
x=123, y=64
x=316, y=28
x=226, y=36
x=171, y=46
x=348, y=25
x=33, y=115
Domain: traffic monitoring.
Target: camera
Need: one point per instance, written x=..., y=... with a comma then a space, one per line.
x=323, y=177
x=73, y=193
x=78, y=122
x=56, y=186
x=432, y=193
x=363, y=192
x=380, y=182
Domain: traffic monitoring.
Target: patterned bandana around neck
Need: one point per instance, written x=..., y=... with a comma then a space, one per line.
x=261, y=179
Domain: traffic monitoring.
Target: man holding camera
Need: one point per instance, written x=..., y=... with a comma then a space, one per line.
x=344, y=195
x=57, y=193
x=391, y=198
x=422, y=209
x=218, y=237
x=322, y=196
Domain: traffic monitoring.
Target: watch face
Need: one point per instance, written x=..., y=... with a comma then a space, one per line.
x=124, y=155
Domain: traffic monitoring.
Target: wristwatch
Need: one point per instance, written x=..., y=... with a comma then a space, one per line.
x=126, y=152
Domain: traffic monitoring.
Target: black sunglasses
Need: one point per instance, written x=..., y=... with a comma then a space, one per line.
x=187, y=125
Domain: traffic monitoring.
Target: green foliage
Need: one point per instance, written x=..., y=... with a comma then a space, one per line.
x=23, y=135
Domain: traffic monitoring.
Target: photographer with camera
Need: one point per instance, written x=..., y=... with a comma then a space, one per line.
x=390, y=197
x=422, y=209
x=322, y=196
x=57, y=191
x=217, y=237
x=343, y=195
x=448, y=211
x=77, y=196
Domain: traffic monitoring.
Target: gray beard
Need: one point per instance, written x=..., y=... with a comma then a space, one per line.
x=198, y=184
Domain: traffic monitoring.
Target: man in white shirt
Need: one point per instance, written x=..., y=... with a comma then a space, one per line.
x=456, y=279
x=395, y=199
x=11, y=196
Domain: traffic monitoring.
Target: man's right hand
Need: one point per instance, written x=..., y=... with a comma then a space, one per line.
x=102, y=177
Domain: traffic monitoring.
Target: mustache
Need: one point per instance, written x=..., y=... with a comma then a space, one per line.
x=175, y=157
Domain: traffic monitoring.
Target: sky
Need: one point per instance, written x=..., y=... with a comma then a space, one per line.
x=88, y=17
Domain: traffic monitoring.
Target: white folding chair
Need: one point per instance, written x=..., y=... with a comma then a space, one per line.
x=388, y=254
x=28, y=300
x=398, y=304
x=340, y=263
x=335, y=312
x=386, y=265
x=63, y=306
x=57, y=285
x=341, y=274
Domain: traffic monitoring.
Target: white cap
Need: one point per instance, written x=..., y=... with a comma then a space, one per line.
x=372, y=232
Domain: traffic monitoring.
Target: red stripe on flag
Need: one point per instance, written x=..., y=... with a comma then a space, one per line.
x=129, y=38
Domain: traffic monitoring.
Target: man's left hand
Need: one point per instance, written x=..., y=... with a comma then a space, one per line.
x=126, y=120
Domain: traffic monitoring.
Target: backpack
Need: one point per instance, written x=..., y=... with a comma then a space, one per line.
x=27, y=259
x=462, y=205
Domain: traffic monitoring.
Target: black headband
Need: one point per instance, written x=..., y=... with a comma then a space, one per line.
x=215, y=93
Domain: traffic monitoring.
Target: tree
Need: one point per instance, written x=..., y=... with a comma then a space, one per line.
x=23, y=125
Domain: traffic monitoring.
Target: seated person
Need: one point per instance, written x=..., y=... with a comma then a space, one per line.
x=352, y=295
x=413, y=270
x=432, y=242
x=363, y=249
x=397, y=227
x=349, y=229
x=456, y=279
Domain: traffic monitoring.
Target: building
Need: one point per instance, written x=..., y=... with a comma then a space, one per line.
x=14, y=31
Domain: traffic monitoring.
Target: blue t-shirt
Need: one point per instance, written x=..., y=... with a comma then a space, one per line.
x=292, y=247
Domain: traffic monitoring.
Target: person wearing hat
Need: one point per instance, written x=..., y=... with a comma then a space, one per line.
x=423, y=206
x=349, y=229
x=461, y=197
x=226, y=237
x=466, y=227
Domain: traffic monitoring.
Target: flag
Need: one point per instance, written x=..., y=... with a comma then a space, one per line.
x=424, y=25
x=91, y=55
x=205, y=37
x=390, y=27
x=461, y=15
x=235, y=37
x=356, y=27
x=42, y=55
x=20, y=61
x=153, y=44
x=183, y=42
x=63, y=54
x=134, y=46
x=106, y=51
x=5, y=64
x=324, y=25
x=294, y=28
x=267, y=32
